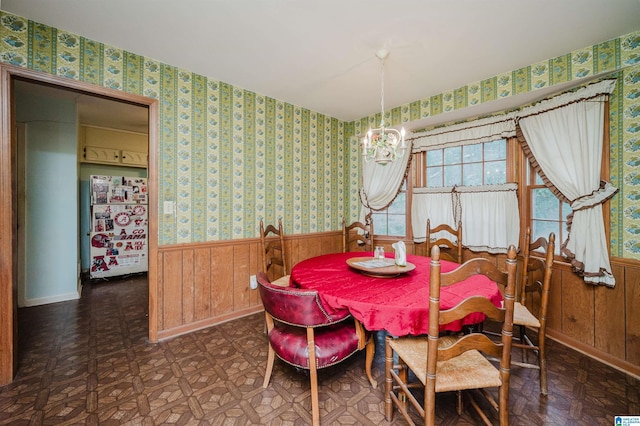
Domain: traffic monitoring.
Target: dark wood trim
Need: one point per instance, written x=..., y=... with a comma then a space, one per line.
x=8, y=237
x=8, y=234
x=199, y=325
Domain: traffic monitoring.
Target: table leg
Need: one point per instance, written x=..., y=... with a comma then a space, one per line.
x=370, y=352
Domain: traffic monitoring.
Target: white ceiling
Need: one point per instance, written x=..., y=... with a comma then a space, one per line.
x=320, y=55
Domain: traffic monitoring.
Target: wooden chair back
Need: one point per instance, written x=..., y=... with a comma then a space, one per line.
x=274, y=262
x=358, y=236
x=475, y=340
x=537, y=263
x=451, y=247
x=531, y=309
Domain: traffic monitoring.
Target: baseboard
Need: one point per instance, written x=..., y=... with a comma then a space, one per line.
x=605, y=358
x=52, y=299
x=199, y=325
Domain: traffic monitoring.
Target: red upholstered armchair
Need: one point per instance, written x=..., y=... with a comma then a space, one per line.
x=303, y=334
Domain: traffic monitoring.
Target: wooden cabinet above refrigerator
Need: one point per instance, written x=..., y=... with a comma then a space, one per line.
x=110, y=146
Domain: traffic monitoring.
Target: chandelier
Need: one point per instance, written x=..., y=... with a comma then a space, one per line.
x=383, y=145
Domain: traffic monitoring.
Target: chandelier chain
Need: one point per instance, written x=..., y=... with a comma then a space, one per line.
x=383, y=145
x=382, y=90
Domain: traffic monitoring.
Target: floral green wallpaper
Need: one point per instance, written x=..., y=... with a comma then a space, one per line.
x=230, y=157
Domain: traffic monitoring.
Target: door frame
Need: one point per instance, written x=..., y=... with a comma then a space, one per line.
x=8, y=204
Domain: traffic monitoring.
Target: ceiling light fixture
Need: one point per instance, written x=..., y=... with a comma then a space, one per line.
x=383, y=145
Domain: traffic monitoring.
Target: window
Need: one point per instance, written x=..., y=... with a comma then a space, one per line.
x=393, y=220
x=548, y=213
x=467, y=165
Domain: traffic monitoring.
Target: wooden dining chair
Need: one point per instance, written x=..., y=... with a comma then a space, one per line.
x=274, y=262
x=303, y=334
x=454, y=363
x=358, y=236
x=450, y=243
x=531, y=309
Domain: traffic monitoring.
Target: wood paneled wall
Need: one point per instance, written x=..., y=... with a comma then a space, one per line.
x=208, y=283
x=203, y=284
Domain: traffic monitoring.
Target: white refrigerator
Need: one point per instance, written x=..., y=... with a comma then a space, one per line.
x=119, y=220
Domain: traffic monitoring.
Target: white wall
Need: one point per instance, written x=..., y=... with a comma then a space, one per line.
x=51, y=199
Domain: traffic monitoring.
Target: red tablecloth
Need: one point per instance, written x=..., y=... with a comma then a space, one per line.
x=399, y=305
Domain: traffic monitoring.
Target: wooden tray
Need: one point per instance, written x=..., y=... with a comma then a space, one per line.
x=390, y=271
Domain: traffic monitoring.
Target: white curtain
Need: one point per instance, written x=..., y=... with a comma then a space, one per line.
x=566, y=142
x=490, y=217
x=489, y=214
x=381, y=183
x=436, y=204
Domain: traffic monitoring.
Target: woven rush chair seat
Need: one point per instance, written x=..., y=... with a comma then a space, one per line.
x=522, y=316
x=470, y=370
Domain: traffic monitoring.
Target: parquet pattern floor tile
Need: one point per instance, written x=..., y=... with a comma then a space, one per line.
x=89, y=362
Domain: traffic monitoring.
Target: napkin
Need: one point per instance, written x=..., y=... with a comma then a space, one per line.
x=401, y=253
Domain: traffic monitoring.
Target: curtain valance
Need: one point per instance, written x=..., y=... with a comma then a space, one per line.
x=500, y=126
x=484, y=130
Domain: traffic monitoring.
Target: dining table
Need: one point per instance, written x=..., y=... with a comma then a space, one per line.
x=397, y=302
x=390, y=297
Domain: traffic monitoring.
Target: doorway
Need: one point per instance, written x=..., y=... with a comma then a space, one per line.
x=8, y=195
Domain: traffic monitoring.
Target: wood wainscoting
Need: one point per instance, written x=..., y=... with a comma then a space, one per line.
x=204, y=284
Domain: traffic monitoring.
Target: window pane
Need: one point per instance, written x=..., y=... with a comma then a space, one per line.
x=472, y=153
x=398, y=205
x=434, y=177
x=545, y=204
x=496, y=150
x=472, y=174
x=566, y=211
x=434, y=158
x=397, y=225
x=453, y=155
x=542, y=228
x=452, y=175
x=379, y=223
x=539, y=180
x=495, y=172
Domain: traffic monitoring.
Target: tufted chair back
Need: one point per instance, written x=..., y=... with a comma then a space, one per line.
x=295, y=306
x=302, y=333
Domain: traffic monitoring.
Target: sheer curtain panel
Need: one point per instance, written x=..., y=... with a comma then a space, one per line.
x=437, y=204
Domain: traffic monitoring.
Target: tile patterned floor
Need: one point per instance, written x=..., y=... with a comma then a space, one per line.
x=89, y=362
